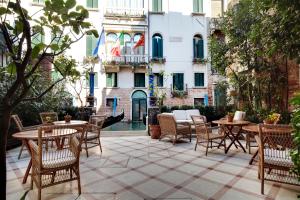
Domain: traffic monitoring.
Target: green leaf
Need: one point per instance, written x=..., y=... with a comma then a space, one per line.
x=2, y=10
x=54, y=47
x=11, y=68
x=93, y=32
x=70, y=4
x=35, y=51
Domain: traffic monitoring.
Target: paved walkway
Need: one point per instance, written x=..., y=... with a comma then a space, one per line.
x=138, y=168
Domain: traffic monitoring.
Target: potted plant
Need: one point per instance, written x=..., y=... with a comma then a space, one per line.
x=270, y=119
x=230, y=116
x=67, y=118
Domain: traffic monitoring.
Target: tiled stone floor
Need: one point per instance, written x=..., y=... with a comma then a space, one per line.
x=138, y=168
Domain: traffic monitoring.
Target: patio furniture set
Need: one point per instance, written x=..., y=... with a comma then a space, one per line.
x=55, y=147
x=274, y=141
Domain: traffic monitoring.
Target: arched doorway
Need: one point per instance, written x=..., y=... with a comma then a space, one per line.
x=139, y=105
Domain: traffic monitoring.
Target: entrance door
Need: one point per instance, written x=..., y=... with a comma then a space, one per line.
x=139, y=105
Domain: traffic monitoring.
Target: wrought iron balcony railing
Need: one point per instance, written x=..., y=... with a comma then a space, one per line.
x=133, y=60
x=124, y=12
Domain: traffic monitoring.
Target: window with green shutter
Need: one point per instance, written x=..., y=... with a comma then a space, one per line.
x=157, y=5
x=91, y=42
x=37, y=39
x=158, y=80
x=95, y=81
x=139, y=80
x=111, y=80
x=198, y=47
x=198, y=6
x=92, y=3
x=157, y=46
x=38, y=1
x=199, y=79
x=178, y=81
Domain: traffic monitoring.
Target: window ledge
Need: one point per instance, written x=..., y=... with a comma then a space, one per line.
x=198, y=14
x=139, y=88
x=199, y=87
x=38, y=4
x=156, y=13
x=93, y=9
x=112, y=87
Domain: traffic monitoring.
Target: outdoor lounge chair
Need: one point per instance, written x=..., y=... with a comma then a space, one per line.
x=275, y=143
x=56, y=165
x=207, y=135
x=21, y=128
x=92, y=134
x=169, y=128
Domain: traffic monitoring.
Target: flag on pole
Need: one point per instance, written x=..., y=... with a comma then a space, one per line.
x=141, y=42
x=100, y=42
x=116, y=50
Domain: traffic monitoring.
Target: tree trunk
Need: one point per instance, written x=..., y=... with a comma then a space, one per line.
x=5, y=112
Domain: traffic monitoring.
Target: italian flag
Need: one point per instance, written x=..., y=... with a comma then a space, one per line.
x=116, y=50
x=141, y=42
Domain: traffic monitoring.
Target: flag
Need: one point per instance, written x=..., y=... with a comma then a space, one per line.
x=116, y=50
x=100, y=42
x=141, y=42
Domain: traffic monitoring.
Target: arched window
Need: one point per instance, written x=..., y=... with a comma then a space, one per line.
x=140, y=49
x=110, y=40
x=126, y=50
x=198, y=46
x=157, y=46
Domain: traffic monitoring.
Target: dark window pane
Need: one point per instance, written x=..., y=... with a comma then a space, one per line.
x=199, y=79
x=198, y=101
x=178, y=81
x=139, y=80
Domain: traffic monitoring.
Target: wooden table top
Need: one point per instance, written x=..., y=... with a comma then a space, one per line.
x=255, y=128
x=234, y=123
x=72, y=122
x=33, y=134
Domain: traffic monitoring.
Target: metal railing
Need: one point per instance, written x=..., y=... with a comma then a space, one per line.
x=125, y=60
x=109, y=12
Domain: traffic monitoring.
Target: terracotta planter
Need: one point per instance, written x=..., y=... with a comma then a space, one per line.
x=268, y=121
x=155, y=131
x=229, y=118
x=68, y=118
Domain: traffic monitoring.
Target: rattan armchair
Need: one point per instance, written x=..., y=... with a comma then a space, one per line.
x=21, y=128
x=275, y=164
x=53, y=117
x=207, y=135
x=92, y=134
x=170, y=129
x=55, y=166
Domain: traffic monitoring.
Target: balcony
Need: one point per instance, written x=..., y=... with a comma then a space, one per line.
x=179, y=93
x=124, y=13
x=214, y=24
x=133, y=61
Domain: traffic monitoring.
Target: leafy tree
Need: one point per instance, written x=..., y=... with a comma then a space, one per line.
x=67, y=23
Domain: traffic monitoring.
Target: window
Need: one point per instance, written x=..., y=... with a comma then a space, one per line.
x=91, y=42
x=111, y=80
x=139, y=80
x=110, y=102
x=110, y=40
x=92, y=3
x=199, y=79
x=37, y=39
x=157, y=46
x=157, y=5
x=140, y=49
x=158, y=80
x=95, y=80
x=39, y=1
x=178, y=81
x=126, y=50
x=121, y=4
x=198, y=101
x=198, y=47
x=198, y=6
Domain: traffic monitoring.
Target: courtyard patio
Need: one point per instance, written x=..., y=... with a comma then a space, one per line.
x=137, y=168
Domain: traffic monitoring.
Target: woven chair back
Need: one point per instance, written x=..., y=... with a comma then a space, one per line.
x=167, y=123
x=18, y=122
x=97, y=120
x=200, y=126
x=51, y=115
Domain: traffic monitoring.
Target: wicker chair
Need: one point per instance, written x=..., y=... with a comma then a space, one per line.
x=170, y=129
x=92, y=135
x=21, y=128
x=275, y=164
x=207, y=135
x=53, y=117
x=56, y=165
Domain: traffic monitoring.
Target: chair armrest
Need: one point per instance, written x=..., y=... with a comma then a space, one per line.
x=34, y=148
x=30, y=128
x=74, y=146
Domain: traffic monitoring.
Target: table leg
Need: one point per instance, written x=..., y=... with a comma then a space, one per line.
x=234, y=138
x=29, y=164
x=253, y=157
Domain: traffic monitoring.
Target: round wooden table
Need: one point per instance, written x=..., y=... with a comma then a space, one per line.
x=253, y=129
x=228, y=127
x=25, y=136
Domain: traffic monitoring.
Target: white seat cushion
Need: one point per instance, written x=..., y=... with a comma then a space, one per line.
x=58, y=158
x=271, y=158
x=180, y=114
x=191, y=112
x=91, y=135
x=239, y=116
x=184, y=121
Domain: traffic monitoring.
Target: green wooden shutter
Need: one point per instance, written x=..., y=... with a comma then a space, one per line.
x=96, y=80
x=159, y=5
x=115, y=80
x=194, y=48
x=195, y=6
x=178, y=81
x=200, y=49
x=159, y=47
x=154, y=5
x=181, y=87
x=89, y=3
x=89, y=45
x=95, y=3
x=200, y=6
x=199, y=79
x=160, y=82
x=154, y=47
x=108, y=79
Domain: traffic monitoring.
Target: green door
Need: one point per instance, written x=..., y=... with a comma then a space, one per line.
x=139, y=105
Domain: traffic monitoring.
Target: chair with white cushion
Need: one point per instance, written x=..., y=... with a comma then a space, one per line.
x=239, y=116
